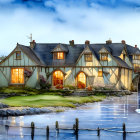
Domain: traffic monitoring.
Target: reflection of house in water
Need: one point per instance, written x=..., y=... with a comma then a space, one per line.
x=64, y=65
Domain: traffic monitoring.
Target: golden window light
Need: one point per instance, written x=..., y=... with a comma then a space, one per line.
x=17, y=76
x=88, y=57
x=59, y=55
x=104, y=56
x=100, y=73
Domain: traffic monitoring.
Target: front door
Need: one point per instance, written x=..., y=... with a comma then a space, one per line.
x=81, y=80
x=58, y=79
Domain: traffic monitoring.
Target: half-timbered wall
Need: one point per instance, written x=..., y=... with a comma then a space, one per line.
x=12, y=62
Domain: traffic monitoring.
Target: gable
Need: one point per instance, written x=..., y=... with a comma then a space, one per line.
x=87, y=50
x=81, y=60
x=122, y=54
x=57, y=49
x=11, y=60
x=103, y=50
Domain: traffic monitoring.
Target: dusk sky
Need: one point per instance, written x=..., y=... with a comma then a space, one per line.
x=53, y=21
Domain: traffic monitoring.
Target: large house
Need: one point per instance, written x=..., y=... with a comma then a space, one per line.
x=79, y=65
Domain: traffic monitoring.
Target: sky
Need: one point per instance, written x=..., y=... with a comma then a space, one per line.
x=59, y=21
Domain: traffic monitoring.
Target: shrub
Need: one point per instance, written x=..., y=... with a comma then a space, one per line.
x=59, y=86
x=48, y=85
x=70, y=87
x=42, y=81
x=89, y=88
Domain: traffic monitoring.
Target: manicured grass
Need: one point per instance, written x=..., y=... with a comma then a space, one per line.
x=49, y=100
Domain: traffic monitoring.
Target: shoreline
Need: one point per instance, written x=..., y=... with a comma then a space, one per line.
x=22, y=111
x=6, y=110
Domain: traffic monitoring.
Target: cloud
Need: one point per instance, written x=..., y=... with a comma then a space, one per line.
x=68, y=20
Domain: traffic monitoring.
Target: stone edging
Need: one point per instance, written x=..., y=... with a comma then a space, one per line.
x=28, y=111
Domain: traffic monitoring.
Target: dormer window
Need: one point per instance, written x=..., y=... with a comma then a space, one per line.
x=104, y=57
x=18, y=55
x=136, y=57
x=88, y=57
x=59, y=55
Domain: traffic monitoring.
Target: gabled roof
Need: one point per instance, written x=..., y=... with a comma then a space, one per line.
x=122, y=63
x=42, y=54
x=60, y=47
x=28, y=51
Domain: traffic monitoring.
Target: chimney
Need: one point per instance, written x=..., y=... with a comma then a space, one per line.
x=123, y=42
x=135, y=46
x=32, y=44
x=71, y=43
x=109, y=41
x=87, y=42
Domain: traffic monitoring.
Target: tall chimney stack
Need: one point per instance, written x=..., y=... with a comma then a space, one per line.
x=71, y=42
x=123, y=42
x=32, y=44
x=109, y=41
x=87, y=42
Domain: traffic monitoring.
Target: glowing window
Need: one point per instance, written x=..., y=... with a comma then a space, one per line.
x=17, y=76
x=100, y=73
x=104, y=56
x=18, y=55
x=81, y=80
x=88, y=57
x=59, y=55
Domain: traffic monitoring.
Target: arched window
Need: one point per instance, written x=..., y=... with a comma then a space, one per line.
x=58, y=79
x=81, y=80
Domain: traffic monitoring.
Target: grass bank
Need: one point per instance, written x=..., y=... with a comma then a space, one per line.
x=49, y=100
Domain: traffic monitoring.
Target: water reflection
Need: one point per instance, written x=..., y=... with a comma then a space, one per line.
x=110, y=113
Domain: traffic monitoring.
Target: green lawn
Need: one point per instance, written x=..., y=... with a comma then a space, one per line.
x=49, y=100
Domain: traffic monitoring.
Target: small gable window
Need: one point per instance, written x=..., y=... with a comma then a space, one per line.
x=104, y=56
x=100, y=73
x=59, y=55
x=88, y=57
x=18, y=55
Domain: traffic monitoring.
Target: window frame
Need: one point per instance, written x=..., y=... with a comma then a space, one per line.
x=104, y=55
x=88, y=57
x=56, y=56
x=100, y=71
x=11, y=83
x=18, y=57
x=136, y=57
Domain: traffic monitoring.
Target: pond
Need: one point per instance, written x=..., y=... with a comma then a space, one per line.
x=111, y=113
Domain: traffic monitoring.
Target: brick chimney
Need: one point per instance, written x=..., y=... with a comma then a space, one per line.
x=71, y=42
x=136, y=46
x=109, y=41
x=32, y=44
x=123, y=42
x=87, y=42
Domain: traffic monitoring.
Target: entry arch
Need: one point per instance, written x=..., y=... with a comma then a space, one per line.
x=58, y=79
x=81, y=80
